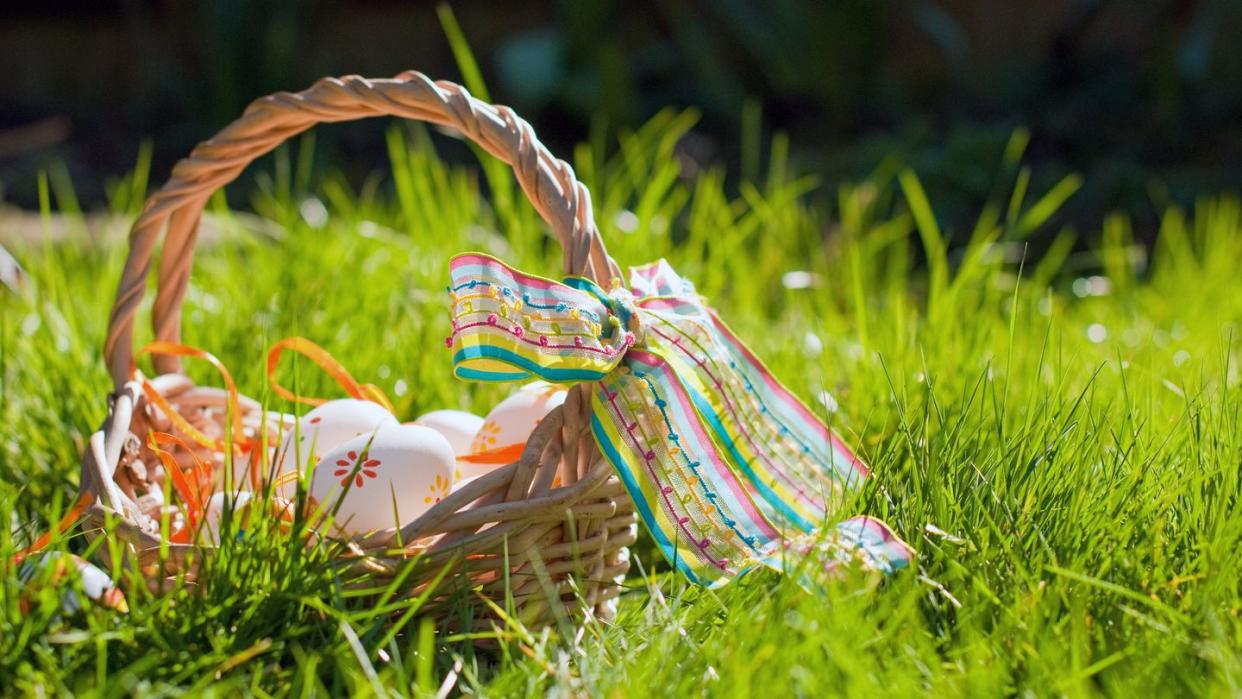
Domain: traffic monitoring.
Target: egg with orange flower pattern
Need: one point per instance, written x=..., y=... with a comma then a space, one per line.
x=508, y=425
x=326, y=427
x=384, y=481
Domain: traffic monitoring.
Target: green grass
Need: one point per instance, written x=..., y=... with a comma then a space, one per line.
x=1057, y=434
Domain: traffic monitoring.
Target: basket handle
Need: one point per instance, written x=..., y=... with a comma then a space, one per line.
x=548, y=182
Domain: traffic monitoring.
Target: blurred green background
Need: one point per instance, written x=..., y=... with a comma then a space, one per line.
x=1142, y=98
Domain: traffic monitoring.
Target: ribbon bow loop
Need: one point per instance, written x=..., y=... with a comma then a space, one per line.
x=719, y=457
x=659, y=279
x=511, y=326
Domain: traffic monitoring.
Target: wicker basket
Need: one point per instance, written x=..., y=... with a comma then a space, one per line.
x=550, y=552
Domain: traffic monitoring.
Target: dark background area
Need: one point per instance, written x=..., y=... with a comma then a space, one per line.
x=1142, y=97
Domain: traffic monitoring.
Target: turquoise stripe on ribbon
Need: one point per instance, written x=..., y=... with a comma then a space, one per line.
x=769, y=496
x=669, y=549
x=553, y=374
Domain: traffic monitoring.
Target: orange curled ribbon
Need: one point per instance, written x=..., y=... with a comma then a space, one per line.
x=328, y=363
x=190, y=491
x=160, y=347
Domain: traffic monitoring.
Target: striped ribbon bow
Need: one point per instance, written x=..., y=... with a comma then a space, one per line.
x=728, y=469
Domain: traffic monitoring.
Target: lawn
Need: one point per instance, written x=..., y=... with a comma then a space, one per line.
x=1051, y=417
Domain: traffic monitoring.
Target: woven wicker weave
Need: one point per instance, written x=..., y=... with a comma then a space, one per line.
x=551, y=552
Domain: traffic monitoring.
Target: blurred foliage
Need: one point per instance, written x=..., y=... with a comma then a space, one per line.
x=1140, y=98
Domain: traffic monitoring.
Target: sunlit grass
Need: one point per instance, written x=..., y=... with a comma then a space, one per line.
x=1057, y=434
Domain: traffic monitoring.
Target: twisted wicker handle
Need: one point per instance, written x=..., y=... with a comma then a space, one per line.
x=549, y=183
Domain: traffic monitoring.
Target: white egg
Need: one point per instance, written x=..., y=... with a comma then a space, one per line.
x=409, y=467
x=60, y=570
x=327, y=427
x=244, y=506
x=458, y=427
x=214, y=512
x=241, y=470
x=511, y=422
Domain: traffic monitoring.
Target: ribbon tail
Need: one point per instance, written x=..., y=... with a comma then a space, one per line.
x=802, y=471
x=863, y=541
x=698, y=509
x=700, y=514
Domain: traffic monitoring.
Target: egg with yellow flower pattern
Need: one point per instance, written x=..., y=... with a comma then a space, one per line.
x=507, y=427
x=326, y=427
